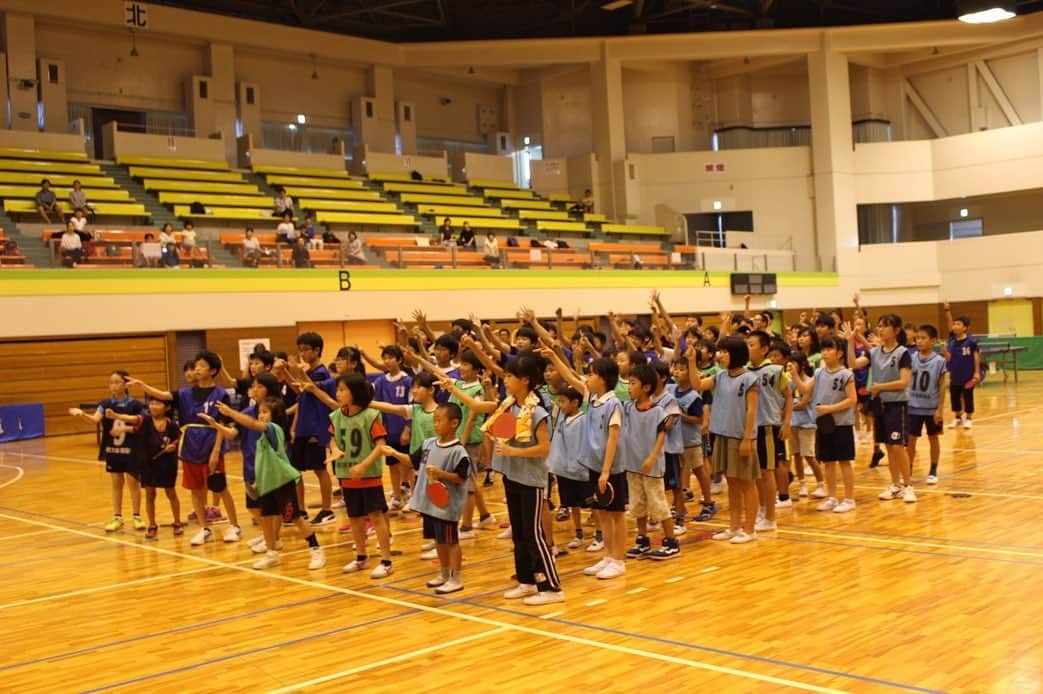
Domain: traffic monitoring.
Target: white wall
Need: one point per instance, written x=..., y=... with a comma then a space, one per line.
x=657, y=102
x=457, y=120
x=566, y=112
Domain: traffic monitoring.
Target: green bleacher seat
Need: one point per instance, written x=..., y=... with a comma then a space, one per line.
x=366, y=219
x=64, y=180
x=559, y=197
x=258, y=214
x=633, y=229
x=381, y=177
x=102, y=209
x=551, y=226
x=173, y=163
x=48, y=155
x=45, y=168
x=417, y=198
x=449, y=211
x=186, y=174
x=544, y=214
x=431, y=188
x=594, y=217
x=488, y=223
x=492, y=183
x=300, y=171
x=214, y=200
x=277, y=180
x=176, y=186
x=93, y=194
x=529, y=204
x=348, y=206
x=492, y=193
x=332, y=193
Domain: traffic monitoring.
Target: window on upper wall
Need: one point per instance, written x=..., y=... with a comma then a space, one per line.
x=966, y=229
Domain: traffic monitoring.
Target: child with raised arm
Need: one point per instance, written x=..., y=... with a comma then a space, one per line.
x=833, y=397
x=158, y=460
x=117, y=447
x=774, y=409
x=275, y=480
x=642, y=440
x=926, y=402
x=690, y=401
x=357, y=454
x=802, y=426
x=394, y=387
x=673, y=477
x=442, y=460
x=311, y=428
x=964, y=359
x=733, y=422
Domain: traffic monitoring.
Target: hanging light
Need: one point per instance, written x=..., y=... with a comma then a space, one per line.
x=314, y=67
x=133, y=44
x=985, y=11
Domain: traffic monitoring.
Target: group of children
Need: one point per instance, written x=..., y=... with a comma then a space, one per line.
x=616, y=432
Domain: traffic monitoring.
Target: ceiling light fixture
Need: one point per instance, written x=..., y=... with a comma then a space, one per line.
x=616, y=4
x=985, y=11
x=314, y=67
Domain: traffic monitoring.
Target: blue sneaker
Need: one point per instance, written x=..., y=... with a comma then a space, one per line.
x=707, y=513
x=642, y=547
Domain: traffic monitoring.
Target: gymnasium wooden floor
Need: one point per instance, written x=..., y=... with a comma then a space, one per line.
x=942, y=595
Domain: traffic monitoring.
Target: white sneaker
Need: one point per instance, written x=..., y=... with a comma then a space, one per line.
x=967, y=424
x=318, y=559
x=808, y=470
x=489, y=522
x=267, y=561
x=427, y=546
x=545, y=597
x=233, y=533
x=594, y=570
x=575, y=543
x=429, y=554
x=679, y=529
x=259, y=540
x=338, y=503
x=505, y=535
x=760, y=513
x=820, y=492
x=382, y=570
x=844, y=506
x=827, y=505
x=908, y=495
x=803, y=489
x=596, y=546
x=395, y=504
x=892, y=492
x=468, y=534
x=725, y=534
x=932, y=479
x=451, y=585
x=262, y=547
x=613, y=569
x=653, y=525
x=743, y=537
x=354, y=566
x=520, y=591
x=203, y=536
x=954, y=423
x=436, y=581
x=716, y=487
x=765, y=524
x=788, y=503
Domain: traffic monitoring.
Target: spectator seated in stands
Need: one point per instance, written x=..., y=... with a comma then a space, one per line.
x=286, y=232
x=466, y=238
x=251, y=249
x=148, y=253
x=315, y=242
x=445, y=232
x=166, y=235
x=71, y=247
x=79, y=222
x=171, y=259
x=491, y=249
x=78, y=199
x=188, y=237
x=586, y=205
x=356, y=254
x=301, y=256
x=282, y=203
x=47, y=201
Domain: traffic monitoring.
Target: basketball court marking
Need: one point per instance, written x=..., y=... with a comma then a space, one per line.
x=617, y=648
x=19, y=473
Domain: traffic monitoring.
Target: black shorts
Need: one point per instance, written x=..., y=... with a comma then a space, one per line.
x=837, y=446
x=400, y=447
x=918, y=422
x=672, y=472
x=708, y=445
x=620, y=498
x=890, y=425
x=161, y=474
x=281, y=502
x=574, y=493
x=255, y=503
x=443, y=532
x=962, y=398
x=770, y=450
x=308, y=454
x=362, y=501
x=123, y=463
x=863, y=402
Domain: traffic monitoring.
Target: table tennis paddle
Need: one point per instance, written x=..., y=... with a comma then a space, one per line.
x=602, y=499
x=504, y=426
x=438, y=493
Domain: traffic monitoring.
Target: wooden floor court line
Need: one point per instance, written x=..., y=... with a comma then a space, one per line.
x=442, y=611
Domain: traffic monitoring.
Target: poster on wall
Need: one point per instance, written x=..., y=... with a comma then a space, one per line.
x=552, y=167
x=246, y=348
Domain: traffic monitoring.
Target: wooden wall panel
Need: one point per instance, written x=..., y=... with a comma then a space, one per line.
x=67, y=373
